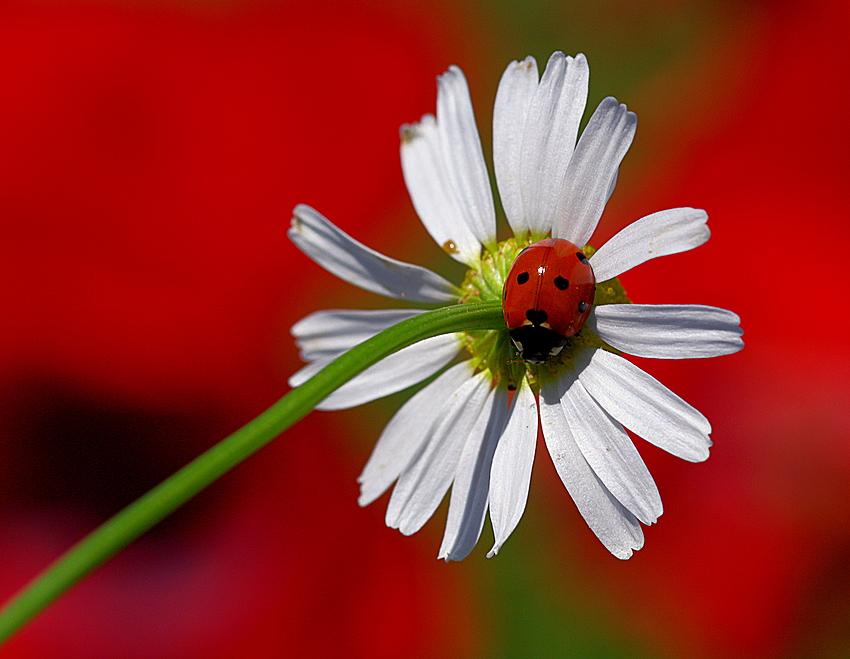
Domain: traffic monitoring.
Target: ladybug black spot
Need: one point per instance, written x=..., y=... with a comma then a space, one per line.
x=581, y=257
x=537, y=317
x=562, y=284
x=522, y=277
x=582, y=307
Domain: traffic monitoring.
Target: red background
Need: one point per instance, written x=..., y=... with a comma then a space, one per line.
x=150, y=155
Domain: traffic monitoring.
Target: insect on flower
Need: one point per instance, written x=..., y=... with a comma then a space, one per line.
x=565, y=312
x=547, y=298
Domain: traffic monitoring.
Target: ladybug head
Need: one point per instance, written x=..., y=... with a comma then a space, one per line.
x=537, y=345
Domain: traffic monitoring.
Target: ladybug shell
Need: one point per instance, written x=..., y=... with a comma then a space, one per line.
x=547, y=297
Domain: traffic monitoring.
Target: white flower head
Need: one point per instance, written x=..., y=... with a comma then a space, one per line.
x=474, y=427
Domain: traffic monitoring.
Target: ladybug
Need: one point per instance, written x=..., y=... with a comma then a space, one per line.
x=547, y=298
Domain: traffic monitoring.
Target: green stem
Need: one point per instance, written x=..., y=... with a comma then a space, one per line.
x=119, y=531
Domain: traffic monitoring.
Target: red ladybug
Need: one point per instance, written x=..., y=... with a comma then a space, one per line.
x=547, y=298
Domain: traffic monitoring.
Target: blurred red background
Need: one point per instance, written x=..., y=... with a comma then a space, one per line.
x=150, y=155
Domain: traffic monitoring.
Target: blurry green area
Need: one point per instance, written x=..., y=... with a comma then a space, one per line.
x=625, y=41
x=542, y=608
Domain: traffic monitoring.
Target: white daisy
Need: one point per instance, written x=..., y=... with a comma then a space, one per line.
x=465, y=430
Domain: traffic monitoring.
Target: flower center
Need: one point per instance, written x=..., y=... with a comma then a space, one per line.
x=492, y=350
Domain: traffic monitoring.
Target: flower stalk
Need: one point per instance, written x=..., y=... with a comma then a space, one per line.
x=134, y=520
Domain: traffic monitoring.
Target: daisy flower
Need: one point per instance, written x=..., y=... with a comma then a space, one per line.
x=474, y=427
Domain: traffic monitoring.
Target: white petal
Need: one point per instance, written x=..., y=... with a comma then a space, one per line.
x=471, y=485
x=433, y=194
x=462, y=155
x=331, y=332
x=403, y=437
x=668, y=331
x=341, y=255
x=549, y=138
x=592, y=170
x=613, y=185
x=615, y=526
x=309, y=370
x=324, y=335
x=666, y=232
x=513, y=100
x=398, y=371
x=510, y=475
x=423, y=484
x=644, y=405
x=610, y=452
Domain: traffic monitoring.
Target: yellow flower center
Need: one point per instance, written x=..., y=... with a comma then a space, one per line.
x=492, y=350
